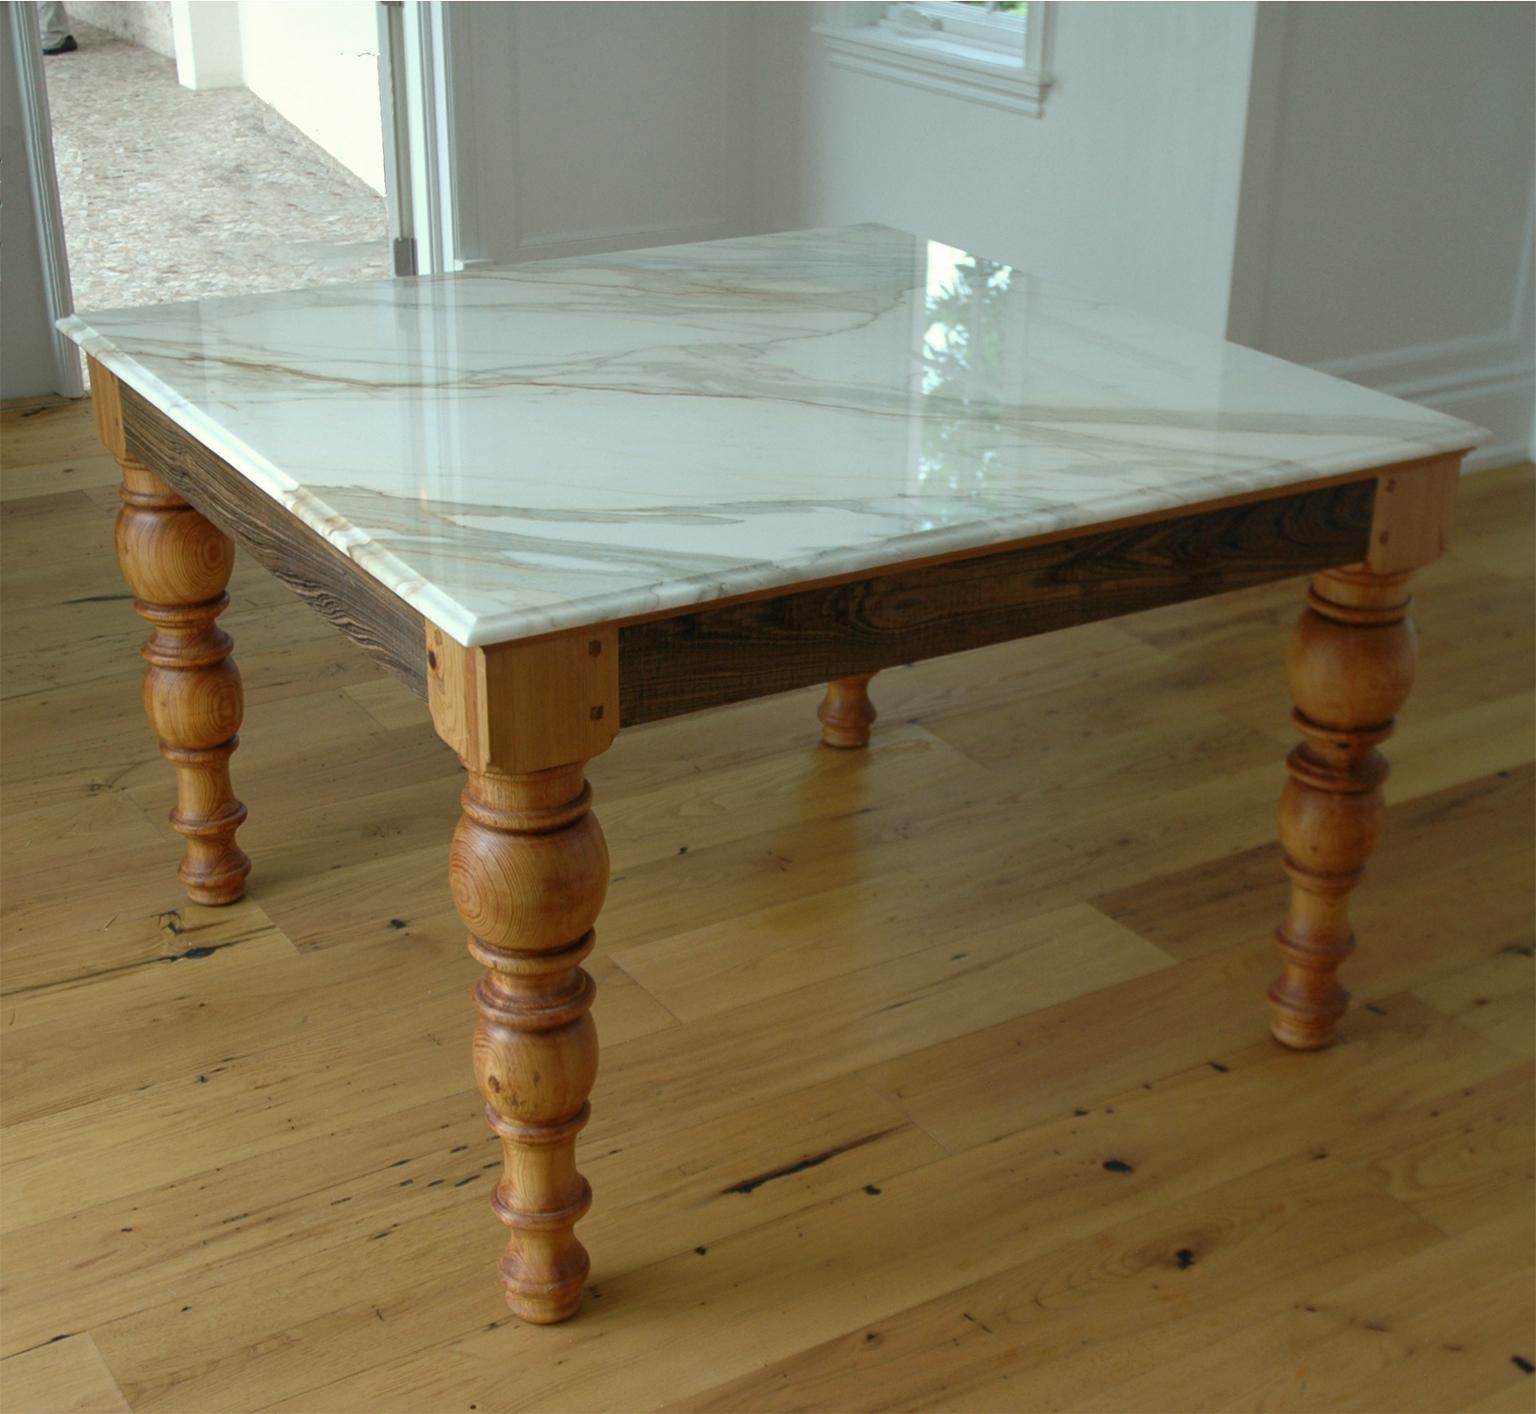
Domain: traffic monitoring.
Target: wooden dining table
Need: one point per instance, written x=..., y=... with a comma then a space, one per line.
x=563, y=498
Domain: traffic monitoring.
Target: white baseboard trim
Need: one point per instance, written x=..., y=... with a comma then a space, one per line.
x=1499, y=394
x=1503, y=402
x=1492, y=458
x=1413, y=363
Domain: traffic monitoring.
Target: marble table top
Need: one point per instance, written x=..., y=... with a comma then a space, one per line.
x=524, y=449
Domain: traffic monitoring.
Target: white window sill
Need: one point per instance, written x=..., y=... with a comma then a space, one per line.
x=938, y=65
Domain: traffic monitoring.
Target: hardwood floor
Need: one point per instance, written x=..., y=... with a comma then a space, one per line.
x=934, y=1076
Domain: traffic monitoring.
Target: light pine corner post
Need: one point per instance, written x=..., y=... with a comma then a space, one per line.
x=528, y=870
x=846, y=713
x=178, y=566
x=1350, y=667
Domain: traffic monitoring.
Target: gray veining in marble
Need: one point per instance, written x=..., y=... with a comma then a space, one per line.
x=539, y=447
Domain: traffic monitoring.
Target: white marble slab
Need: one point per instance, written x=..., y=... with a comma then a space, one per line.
x=549, y=446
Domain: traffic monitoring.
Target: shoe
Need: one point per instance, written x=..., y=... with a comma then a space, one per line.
x=66, y=45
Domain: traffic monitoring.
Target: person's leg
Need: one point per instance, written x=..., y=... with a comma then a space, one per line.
x=54, y=24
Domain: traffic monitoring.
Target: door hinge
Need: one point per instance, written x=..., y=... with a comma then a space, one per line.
x=405, y=255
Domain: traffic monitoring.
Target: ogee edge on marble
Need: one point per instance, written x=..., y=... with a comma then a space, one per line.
x=525, y=449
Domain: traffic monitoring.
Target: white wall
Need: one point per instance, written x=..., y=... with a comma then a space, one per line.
x=316, y=62
x=1126, y=187
x=207, y=38
x=586, y=127
x=1386, y=218
x=589, y=126
x=143, y=22
x=1344, y=185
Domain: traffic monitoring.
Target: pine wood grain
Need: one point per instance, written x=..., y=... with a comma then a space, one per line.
x=178, y=566
x=728, y=652
x=1113, y=1304
x=388, y=628
x=67, y=1376
x=244, y=1166
x=846, y=713
x=1350, y=668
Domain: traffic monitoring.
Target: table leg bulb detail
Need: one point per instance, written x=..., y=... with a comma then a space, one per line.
x=178, y=566
x=1350, y=668
x=846, y=713
x=529, y=871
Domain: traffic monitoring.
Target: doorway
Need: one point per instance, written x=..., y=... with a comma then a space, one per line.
x=267, y=175
x=225, y=147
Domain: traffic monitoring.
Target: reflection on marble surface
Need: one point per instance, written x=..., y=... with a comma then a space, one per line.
x=538, y=447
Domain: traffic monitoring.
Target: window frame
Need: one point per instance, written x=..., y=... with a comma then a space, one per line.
x=939, y=46
x=964, y=24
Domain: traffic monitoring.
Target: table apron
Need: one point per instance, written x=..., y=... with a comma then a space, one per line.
x=733, y=652
x=390, y=630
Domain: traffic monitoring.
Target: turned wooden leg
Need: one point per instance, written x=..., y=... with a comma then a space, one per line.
x=529, y=870
x=1350, y=667
x=178, y=566
x=846, y=712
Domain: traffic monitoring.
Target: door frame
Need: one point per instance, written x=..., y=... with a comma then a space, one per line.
x=37, y=131
x=416, y=86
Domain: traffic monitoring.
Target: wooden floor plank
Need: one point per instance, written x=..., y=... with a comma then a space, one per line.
x=1455, y=1159
x=65, y=1376
x=1095, y=1312
x=421, y=1175
x=98, y=470
x=1190, y=912
x=1418, y=1334
x=45, y=429
x=855, y=1262
x=1514, y=1398
x=1492, y=996
x=178, y=1126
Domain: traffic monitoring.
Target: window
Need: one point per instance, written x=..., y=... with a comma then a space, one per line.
x=977, y=24
x=985, y=51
